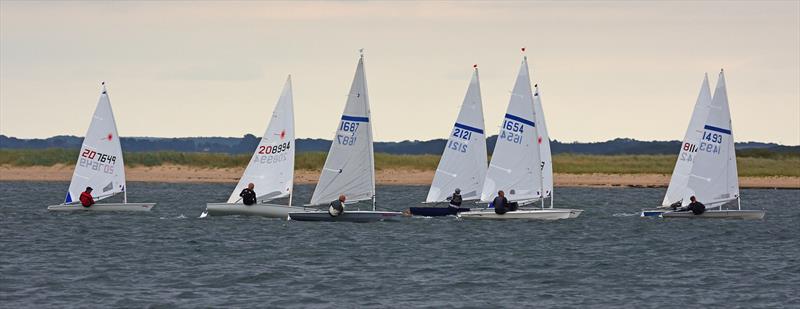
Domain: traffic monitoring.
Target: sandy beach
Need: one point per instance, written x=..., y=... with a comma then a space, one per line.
x=183, y=174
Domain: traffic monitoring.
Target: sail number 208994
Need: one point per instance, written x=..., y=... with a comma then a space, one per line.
x=273, y=149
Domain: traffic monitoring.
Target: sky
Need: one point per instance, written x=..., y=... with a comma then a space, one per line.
x=605, y=69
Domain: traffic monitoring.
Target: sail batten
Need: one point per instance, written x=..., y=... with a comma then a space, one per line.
x=463, y=162
x=271, y=167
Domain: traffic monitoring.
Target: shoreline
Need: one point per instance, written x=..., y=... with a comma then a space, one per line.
x=187, y=174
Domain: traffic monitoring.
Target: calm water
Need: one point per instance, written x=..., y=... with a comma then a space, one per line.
x=609, y=257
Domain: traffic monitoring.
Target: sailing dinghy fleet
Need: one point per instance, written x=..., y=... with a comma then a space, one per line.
x=521, y=164
x=519, y=159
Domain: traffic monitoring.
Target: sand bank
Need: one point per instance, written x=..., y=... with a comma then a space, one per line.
x=182, y=174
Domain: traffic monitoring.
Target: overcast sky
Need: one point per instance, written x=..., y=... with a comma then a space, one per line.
x=606, y=69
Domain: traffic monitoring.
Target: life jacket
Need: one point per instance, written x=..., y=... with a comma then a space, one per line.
x=336, y=208
x=500, y=205
x=697, y=208
x=86, y=199
x=456, y=200
x=248, y=196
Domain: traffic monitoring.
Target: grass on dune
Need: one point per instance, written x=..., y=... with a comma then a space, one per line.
x=750, y=163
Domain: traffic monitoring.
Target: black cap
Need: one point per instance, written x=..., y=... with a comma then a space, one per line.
x=89, y=188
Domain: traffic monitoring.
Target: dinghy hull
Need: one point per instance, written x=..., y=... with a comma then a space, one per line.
x=436, y=211
x=653, y=213
x=104, y=207
x=347, y=216
x=717, y=214
x=527, y=214
x=262, y=210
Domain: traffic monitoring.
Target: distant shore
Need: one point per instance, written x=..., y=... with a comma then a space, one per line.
x=188, y=174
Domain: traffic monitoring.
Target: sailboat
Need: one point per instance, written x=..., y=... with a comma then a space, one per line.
x=545, y=154
x=349, y=169
x=271, y=168
x=100, y=165
x=677, y=189
x=463, y=162
x=712, y=175
x=516, y=166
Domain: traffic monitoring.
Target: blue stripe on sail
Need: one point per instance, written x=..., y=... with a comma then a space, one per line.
x=354, y=118
x=720, y=130
x=520, y=119
x=68, y=199
x=468, y=128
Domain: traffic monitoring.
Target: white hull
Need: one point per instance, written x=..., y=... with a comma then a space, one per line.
x=525, y=214
x=717, y=214
x=347, y=216
x=263, y=210
x=104, y=207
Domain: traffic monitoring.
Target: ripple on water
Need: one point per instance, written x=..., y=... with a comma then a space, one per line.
x=608, y=257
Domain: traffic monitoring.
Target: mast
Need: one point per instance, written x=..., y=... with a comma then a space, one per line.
x=369, y=132
x=535, y=93
x=541, y=166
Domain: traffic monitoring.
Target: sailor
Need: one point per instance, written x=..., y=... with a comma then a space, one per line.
x=337, y=206
x=695, y=207
x=455, y=200
x=86, y=198
x=248, y=195
x=500, y=203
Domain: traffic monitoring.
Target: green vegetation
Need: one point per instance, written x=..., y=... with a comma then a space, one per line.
x=748, y=164
x=751, y=162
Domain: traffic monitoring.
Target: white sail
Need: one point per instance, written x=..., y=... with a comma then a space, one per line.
x=714, y=176
x=350, y=166
x=463, y=162
x=678, y=185
x=544, y=146
x=100, y=164
x=515, y=167
x=271, y=169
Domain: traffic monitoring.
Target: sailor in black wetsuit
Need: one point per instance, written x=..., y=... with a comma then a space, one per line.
x=500, y=203
x=248, y=195
x=695, y=207
x=455, y=200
